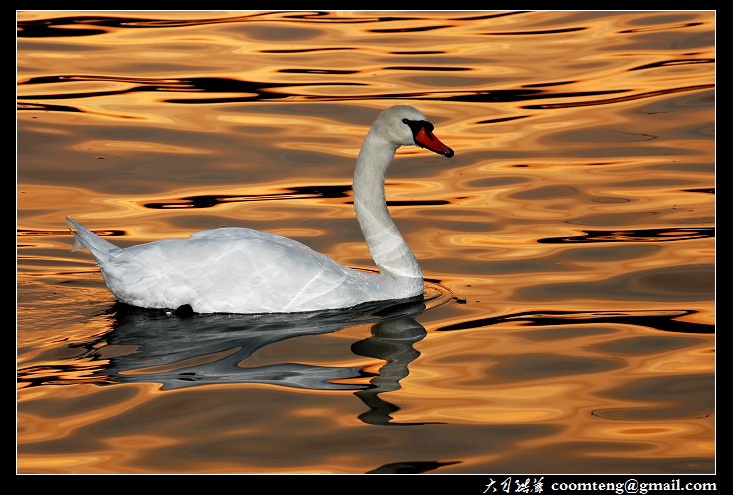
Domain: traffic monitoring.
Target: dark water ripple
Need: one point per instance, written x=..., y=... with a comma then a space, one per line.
x=302, y=192
x=660, y=320
x=208, y=201
x=94, y=25
x=250, y=91
x=607, y=101
x=635, y=235
x=254, y=91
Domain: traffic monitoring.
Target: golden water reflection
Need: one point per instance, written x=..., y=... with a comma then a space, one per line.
x=568, y=246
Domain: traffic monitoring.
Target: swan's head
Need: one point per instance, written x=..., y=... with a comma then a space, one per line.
x=404, y=125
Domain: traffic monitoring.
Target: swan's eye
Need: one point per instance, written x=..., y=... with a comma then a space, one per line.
x=405, y=121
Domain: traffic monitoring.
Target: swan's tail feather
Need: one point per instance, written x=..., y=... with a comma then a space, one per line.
x=77, y=245
x=85, y=238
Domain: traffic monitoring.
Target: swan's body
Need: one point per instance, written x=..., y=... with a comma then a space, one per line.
x=239, y=270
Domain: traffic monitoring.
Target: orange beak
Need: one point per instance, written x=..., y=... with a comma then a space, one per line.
x=427, y=139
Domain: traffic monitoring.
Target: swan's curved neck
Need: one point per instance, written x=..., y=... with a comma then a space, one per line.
x=386, y=245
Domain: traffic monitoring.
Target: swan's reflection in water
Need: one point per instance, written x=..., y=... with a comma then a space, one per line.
x=392, y=341
x=185, y=351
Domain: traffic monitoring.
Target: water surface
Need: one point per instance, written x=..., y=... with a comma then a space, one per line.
x=568, y=247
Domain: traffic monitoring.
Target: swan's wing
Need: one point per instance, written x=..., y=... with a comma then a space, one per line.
x=231, y=233
x=232, y=270
x=242, y=234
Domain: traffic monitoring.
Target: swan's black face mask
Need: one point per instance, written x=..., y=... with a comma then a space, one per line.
x=422, y=132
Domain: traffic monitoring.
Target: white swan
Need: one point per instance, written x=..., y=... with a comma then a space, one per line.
x=239, y=270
